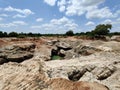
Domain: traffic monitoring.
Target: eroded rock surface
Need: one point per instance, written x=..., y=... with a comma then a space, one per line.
x=64, y=84
x=115, y=38
x=17, y=52
x=28, y=75
x=88, y=65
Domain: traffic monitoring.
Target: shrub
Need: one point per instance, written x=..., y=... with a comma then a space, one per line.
x=69, y=33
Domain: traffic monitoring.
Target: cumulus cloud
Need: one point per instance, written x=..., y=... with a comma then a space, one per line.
x=25, y=12
x=12, y=24
x=39, y=19
x=62, y=8
x=19, y=22
x=107, y=21
x=99, y=13
x=80, y=7
x=115, y=24
x=63, y=24
x=90, y=23
x=19, y=16
x=61, y=4
x=91, y=2
x=50, y=2
x=7, y=25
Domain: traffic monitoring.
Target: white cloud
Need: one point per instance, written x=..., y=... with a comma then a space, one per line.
x=99, y=13
x=61, y=5
x=39, y=19
x=7, y=25
x=50, y=2
x=80, y=7
x=62, y=8
x=22, y=11
x=3, y=15
x=91, y=2
x=115, y=24
x=19, y=16
x=12, y=24
x=107, y=21
x=19, y=23
x=57, y=25
x=90, y=23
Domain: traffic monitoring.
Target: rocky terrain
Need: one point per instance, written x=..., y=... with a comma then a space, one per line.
x=48, y=63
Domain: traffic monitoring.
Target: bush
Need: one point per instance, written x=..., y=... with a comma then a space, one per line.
x=13, y=34
x=69, y=33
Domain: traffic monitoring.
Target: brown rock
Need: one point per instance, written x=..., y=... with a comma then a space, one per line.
x=64, y=84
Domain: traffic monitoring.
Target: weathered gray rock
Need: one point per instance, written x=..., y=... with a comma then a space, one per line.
x=63, y=45
x=69, y=54
x=86, y=50
x=17, y=52
x=103, y=72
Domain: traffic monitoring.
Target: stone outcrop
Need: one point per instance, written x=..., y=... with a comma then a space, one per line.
x=86, y=50
x=28, y=75
x=115, y=38
x=88, y=65
x=63, y=45
x=31, y=75
x=17, y=52
x=101, y=68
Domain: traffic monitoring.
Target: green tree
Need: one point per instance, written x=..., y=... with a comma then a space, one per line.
x=1, y=34
x=70, y=33
x=102, y=29
x=13, y=34
x=5, y=34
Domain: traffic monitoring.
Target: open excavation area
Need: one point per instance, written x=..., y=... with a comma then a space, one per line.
x=59, y=63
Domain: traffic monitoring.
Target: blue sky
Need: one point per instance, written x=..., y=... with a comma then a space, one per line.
x=58, y=16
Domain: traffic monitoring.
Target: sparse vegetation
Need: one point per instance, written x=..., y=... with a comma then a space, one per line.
x=99, y=31
x=102, y=29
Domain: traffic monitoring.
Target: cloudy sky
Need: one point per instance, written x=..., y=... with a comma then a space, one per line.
x=58, y=16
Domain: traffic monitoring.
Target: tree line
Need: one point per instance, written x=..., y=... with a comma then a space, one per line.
x=100, y=30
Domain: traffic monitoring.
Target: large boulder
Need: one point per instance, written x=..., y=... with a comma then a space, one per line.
x=68, y=54
x=63, y=45
x=17, y=52
x=86, y=50
x=115, y=38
